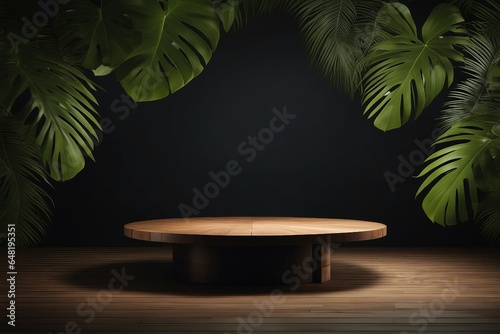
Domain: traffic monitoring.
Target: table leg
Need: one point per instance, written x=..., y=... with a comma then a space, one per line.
x=251, y=264
x=321, y=253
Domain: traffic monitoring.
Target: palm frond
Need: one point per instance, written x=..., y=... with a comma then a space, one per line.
x=336, y=33
x=14, y=83
x=488, y=18
x=59, y=111
x=477, y=94
x=368, y=30
x=488, y=218
x=248, y=9
x=494, y=78
x=327, y=27
x=465, y=6
x=24, y=201
x=267, y=7
x=372, y=18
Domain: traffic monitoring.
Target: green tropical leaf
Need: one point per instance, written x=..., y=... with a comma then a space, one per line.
x=14, y=85
x=371, y=21
x=252, y=8
x=488, y=218
x=465, y=6
x=479, y=94
x=102, y=33
x=179, y=39
x=327, y=27
x=24, y=201
x=103, y=70
x=59, y=110
x=336, y=33
x=488, y=14
x=369, y=29
x=454, y=172
x=406, y=73
x=494, y=77
x=228, y=11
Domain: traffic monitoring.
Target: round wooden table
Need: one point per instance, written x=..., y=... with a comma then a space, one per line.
x=253, y=250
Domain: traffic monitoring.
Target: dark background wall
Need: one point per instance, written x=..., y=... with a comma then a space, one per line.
x=328, y=162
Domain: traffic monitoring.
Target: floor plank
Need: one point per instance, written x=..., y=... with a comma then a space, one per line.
x=373, y=290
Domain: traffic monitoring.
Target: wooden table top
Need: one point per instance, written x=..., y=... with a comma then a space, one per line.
x=251, y=230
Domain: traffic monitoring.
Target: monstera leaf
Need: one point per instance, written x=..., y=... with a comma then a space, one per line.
x=24, y=202
x=454, y=172
x=406, y=73
x=179, y=37
x=59, y=110
x=102, y=34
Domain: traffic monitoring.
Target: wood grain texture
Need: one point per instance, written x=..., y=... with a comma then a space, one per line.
x=373, y=290
x=270, y=230
x=323, y=272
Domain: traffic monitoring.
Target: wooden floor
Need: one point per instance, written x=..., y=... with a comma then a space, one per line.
x=374, y=290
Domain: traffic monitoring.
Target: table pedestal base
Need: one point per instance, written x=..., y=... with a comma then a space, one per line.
x=251, y=264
